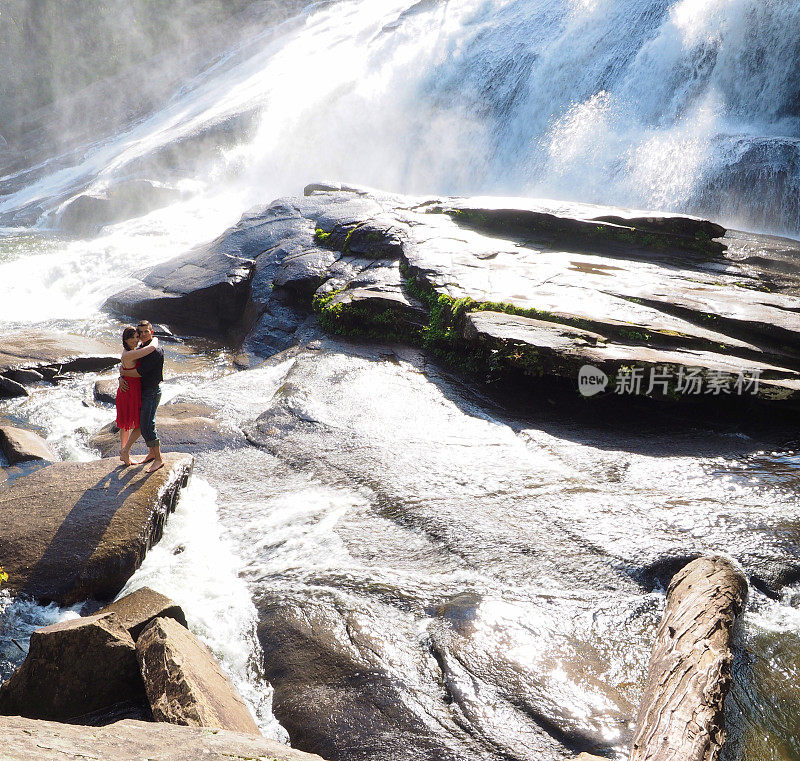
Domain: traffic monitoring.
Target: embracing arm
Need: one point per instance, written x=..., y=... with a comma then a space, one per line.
x=132, y=354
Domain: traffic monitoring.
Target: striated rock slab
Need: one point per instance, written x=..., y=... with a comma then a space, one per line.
x=136, y=610
x=184, y=682
x=78, y=530
x=130, y=740
x=78, y=671
x=19, y=445
x=546, y=348
x=652, y=288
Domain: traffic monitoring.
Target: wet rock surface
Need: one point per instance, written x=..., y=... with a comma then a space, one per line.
x=184, y=682
x=19, y=445
x=450, y=577
x=78, y=671
x=658, y=292
x=75, y=530
x=131, y=740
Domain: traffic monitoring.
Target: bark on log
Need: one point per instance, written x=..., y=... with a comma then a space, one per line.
x=681, y=718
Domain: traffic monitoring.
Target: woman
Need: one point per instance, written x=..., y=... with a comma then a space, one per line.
x=129, y=402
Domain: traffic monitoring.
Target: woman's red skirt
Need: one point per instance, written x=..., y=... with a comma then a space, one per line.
x=129, y=405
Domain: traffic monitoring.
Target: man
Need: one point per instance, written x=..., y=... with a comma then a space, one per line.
x=151, y=371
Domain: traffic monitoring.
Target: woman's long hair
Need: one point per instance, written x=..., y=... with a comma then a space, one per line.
x=129, y=332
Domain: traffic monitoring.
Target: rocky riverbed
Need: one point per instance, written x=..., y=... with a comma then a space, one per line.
x=451, y=551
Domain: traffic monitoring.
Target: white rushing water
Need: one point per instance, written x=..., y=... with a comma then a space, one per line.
x=688, y=105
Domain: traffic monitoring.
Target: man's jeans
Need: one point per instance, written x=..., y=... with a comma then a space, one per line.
x=150, y=400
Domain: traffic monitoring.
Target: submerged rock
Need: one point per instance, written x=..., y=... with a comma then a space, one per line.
x=80, y=671
x=130, y=740
x=19, y=445
x=653, y=294
x=86, y=214
x=78, y=530
x=184, y=682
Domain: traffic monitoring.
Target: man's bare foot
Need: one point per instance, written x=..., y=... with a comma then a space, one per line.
x=149, y=458
x=126, y=457
x=157, y=465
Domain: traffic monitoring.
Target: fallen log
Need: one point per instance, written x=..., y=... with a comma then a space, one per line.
x=681, y=715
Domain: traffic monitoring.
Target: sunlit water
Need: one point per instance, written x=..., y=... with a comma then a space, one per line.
x=468, y=550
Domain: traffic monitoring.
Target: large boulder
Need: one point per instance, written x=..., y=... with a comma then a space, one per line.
x=130, y=740
x=468, y=277
x=78, y=530
x=81, y=671
x=19, y=445
x=137, y=609
x=184, y=682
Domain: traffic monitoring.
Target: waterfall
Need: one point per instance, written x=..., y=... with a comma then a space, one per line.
x=691, y=105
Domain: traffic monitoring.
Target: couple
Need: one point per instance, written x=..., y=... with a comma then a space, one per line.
x=139, y=393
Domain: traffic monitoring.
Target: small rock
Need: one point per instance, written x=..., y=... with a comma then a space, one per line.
x=10, y=388
x=136, y=610
x=105, y=390
x=24, y=376
x=184, y=682
x=19, y=445
x=76, y=668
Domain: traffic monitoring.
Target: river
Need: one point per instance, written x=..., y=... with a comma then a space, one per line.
x=422, y=567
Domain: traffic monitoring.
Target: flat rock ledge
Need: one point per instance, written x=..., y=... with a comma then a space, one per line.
x=78, y=530
x=29, y=358
x=131, y=740
x=657, y=305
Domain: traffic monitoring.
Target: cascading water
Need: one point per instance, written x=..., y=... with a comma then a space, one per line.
x=689, y=105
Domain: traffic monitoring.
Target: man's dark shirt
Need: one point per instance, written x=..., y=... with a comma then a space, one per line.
x=151, y=368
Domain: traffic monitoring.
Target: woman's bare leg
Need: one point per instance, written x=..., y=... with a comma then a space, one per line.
x=124, y=435
x=125, y=452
